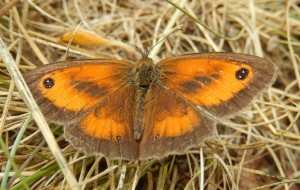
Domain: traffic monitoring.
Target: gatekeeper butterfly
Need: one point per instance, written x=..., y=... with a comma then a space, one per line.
x=145, y=110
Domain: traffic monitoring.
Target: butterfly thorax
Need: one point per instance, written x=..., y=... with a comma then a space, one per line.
x=145, y=73
x=145, y=76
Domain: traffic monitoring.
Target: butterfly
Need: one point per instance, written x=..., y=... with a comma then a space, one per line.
x=144, y=110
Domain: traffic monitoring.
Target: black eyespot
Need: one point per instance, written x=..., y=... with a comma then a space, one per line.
x=119, y=138
x=157, y=136
x=241, y=74
x=48, y=82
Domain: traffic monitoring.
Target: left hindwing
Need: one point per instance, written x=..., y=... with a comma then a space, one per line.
x=107, y=129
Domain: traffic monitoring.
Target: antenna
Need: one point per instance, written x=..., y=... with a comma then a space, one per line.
x=163, y=40
x=144, y=54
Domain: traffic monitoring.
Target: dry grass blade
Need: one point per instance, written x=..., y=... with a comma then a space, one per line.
x=257, y=149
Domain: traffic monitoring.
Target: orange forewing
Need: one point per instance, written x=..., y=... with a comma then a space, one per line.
x=142, y=111
x=201, y=84
x=211, y=81
x=78, y=86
